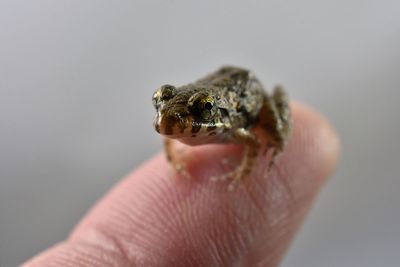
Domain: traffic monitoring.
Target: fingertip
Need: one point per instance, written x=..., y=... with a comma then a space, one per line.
x=317, y=139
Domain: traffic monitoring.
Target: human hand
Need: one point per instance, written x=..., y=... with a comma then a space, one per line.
x=152, y=219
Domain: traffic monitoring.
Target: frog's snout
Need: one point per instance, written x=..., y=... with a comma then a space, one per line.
x=170, y=123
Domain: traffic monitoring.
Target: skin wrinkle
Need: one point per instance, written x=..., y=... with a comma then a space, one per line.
x=228, y=237
x=241, y=244
x=108, y=242
x=170, y=223
x=202, y=238
x=81, y=254
x=193, y=196
x=223, y=251
x=196, y=227
x=188, y=236
x=213, y=248
x=158, y=220
x=282, y=238
x=148, y=238
x=255, y=203
x=189, y=213
x=244, y=241
x=131, y=216
x=234, y=237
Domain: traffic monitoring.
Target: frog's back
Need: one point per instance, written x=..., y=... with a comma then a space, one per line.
x=240, y=88
x=226, y=76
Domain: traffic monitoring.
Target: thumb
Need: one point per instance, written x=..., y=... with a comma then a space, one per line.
x=152, y=219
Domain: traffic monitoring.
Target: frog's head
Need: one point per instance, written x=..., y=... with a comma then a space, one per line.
x=185, y=113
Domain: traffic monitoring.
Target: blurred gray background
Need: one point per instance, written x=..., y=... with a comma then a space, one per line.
x=76, y=79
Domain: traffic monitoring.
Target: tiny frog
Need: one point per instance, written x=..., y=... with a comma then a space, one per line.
x=223, y=107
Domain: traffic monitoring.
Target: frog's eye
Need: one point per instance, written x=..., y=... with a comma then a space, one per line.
x=209, y=105
x=167, y=92
x=208, y=108
x=202, y=105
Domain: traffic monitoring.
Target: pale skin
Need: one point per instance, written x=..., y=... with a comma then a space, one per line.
x=152, y=219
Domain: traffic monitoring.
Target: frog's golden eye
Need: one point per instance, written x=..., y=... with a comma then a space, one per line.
x=203, y=106
x=208, y=108
x=166, y=92
x=209, y=105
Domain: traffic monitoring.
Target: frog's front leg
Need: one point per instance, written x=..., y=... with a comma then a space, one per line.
x=170, y=154
x=252, y=147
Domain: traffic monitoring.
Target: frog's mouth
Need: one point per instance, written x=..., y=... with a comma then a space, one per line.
x=188, y=130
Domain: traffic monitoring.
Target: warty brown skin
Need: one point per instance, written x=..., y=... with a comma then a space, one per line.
x=223, y=107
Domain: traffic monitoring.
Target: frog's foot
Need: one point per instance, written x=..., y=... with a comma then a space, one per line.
x=236, y=175
x=180, y=169
x=233, y=175
x=244, y=169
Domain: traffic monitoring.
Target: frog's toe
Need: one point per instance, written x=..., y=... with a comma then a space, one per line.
x=232, y=185
x=181, y=170
x=234, y=176
x=221, y=177
x=216, y=178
